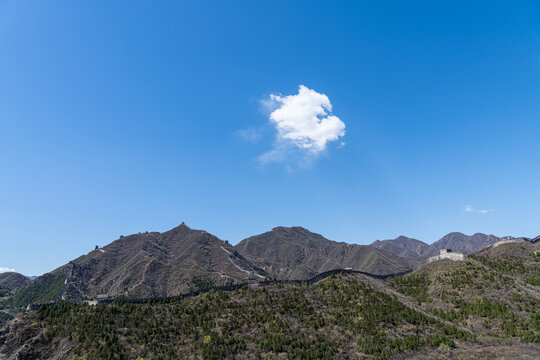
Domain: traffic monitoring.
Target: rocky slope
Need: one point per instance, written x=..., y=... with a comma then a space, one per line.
x=297, y=253
x=467, y=244
x=418, y=251
x=275, y=322
x=406, y=247
x=11, y=281
x=145, y=264
x=483, y=308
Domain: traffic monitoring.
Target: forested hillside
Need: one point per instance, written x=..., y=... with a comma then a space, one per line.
x=485, y=307
x=340, y=316
x=495, y=293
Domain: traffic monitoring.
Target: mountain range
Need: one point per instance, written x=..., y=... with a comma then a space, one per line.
x=485, y=307
x=177, y=261
x=183, y=260
x=418, y=250
x=297, y=253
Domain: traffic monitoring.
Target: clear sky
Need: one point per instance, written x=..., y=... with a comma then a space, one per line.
x=416, y=118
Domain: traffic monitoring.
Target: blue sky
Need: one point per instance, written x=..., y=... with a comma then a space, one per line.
x=127, y=117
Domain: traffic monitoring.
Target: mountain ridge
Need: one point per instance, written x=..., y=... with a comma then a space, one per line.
x=11, y=281
x=484, y=307
x=152, y=263
x=419, y=251
x=406, y=247
x=296, y=253
x=183, y=260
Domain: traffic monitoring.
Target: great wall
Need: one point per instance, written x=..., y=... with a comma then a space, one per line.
x=165, y=299
x=444, y=254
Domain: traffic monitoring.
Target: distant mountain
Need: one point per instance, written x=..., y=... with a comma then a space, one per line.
x=465, y=243
x=297, y=253
x=419, y=251
x=11, y=281
x=406, y=247
x=146, y=264
x=184, y=259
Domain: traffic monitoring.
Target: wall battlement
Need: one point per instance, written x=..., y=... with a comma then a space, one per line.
x=448, y=254
x=161, y=299
x=508, y=241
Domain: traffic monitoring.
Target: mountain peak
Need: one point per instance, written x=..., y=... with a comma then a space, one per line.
x=296, y=253
x=403, y=238
x=168, y=263
x=290, y=228
x=182, y=228
x=12, y=280
x=406, y=247
x=464, y=243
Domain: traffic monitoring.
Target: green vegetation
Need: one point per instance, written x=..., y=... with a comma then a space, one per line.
x=4, y=291
x=508, y=265
x=447, y=307
x=514, y=265
x=498, y=314
x=414, y=285
x=482, y=291
x=4, y=317
x=42, y=290
x=337, y=317
x=201, y=284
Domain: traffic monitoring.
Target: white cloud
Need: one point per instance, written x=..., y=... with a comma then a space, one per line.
x=304, y=122
x=470, y=209
x=485, y=211
x=5, y=269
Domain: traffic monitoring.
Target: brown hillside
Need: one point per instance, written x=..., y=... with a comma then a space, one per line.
x=297, y=253
x=467, y=244
x=147, y=264
x=12, y=280
x=415, y=250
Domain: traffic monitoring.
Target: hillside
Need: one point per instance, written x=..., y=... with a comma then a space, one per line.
x=145, y=264
x=44, y=289
x=291, y=321
x=418, y=251
x=467, y=244
x=168, y=263
x=485, y=307
x=10, y=281
x=495, y=294
x=343, y=316
x=297, y=253
x=406, y=247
